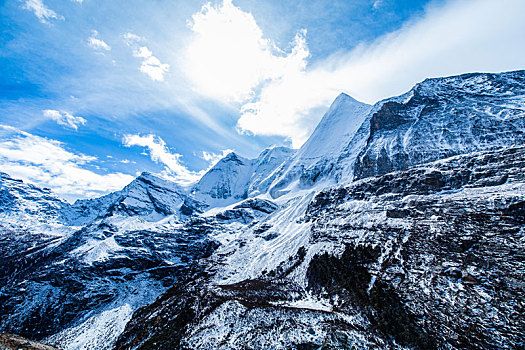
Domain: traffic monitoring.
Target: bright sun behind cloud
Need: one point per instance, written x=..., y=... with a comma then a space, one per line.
x=229, y=55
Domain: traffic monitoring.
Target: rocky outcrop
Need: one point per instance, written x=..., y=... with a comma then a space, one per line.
x=13, y=342
x=248, y=210
x=432, y=254
x=443, y=117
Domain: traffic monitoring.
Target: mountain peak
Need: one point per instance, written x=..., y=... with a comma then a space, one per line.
x=444, y=117
x=343, y=96
x=233, y=157
x=339, y=123
x=148, y=177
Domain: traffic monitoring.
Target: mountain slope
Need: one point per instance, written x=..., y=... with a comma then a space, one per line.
x=78, y=289
x=443, y=117
x=317, y=159
x=424, y=257
x=23, y=205
x=148, y=197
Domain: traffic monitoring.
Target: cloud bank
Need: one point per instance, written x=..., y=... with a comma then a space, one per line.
x=229, y=55
x=46, y=163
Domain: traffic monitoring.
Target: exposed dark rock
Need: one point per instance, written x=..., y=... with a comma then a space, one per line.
x=14, y=342
x=444, y=266
x=443, y=117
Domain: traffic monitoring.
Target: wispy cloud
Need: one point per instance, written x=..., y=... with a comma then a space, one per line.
x=377, y=4
x=174, y=169
x=64, y=118
x=150, y=65
x=41, y=11
x=160, y=153
x=213, y=158
x=97, y=44
x=46, y=163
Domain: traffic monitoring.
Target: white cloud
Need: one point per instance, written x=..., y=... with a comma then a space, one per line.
x=40, y=10
x=97, y=44
x=64, y=118
x=460, y=36
x=159, y=153
x=213, y=158
x=377, y=4
x=46, y=163
x=151, y=65
x=229, y=56
x=174, y=168
x=132, y=39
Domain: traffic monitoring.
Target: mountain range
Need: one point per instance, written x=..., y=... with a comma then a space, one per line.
x=395, y=226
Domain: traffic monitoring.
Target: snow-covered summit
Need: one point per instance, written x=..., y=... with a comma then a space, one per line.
x=225, y=183
x=318, y=157
x=148, y=197
x=235, y=178
x=16, y=195
x=24, y=206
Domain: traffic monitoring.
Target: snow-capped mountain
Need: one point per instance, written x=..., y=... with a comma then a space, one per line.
x=23, y=206
x=225, y=183
x=148, y=197
x=395, y=226
x=235, y=178
x=266, y=167
x=74, y=273
x=318, y=158
x=409, y=259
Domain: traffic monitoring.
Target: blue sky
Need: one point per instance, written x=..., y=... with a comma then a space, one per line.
x=93, y=92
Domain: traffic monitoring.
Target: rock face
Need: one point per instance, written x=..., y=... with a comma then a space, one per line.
x=396, y=226
x=432, y=254
x=13, y=342
x=443, y=117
